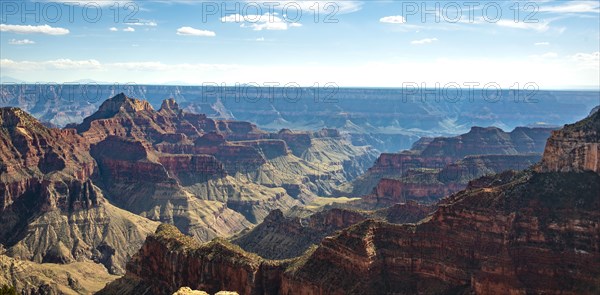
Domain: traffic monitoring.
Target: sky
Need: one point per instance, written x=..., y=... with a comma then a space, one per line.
x=547, y=44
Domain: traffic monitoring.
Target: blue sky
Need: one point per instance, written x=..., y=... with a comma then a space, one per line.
x=554, y=44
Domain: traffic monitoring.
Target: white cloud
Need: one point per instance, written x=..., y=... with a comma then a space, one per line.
x=587, y=60
x=20, y=42
x=394, y=19
x=129, y=29
x=572, y=7
x=143, y=23
x=580, y=69
x=541, y=43
x=546, y=55
x=59, y=64
x=540, y=26
x=28, y=29
x=267, y=21
x=113, y=29
x=424, y=41
x=233, y=18
x=267, y=26
x=260, y=39
x=189, y=31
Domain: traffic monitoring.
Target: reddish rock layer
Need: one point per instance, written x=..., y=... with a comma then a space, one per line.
x=511, y=233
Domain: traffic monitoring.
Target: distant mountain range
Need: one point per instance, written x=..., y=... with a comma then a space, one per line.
x=387, y=119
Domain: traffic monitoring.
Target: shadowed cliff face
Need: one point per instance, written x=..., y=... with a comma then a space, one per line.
x=51, y=210
x=437, y=167
x=512, y=233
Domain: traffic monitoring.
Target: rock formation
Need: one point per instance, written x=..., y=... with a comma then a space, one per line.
x=513, y=233
x=282, y=237
x=437, y=167
x=62, y=192
x=575, y=147
x=51, y=210
x=209, y=177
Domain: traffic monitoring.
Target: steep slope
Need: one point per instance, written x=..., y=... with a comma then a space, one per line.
x=48, y=278
x=575, y=147
x=512, y=233
x=282, y=237
x=51, y=211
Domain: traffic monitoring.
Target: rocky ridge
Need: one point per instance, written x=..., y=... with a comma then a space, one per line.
x=283, y=237
x=209, y=177
x=437, y=167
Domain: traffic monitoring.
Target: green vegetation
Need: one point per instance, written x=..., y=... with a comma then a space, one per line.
x=8, y=290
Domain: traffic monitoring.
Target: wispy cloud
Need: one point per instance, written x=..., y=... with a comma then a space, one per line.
x=146, y=23
x=393, y=19
x=267, y=21
x=28, y=29
x=572, y=7
x=587, y=60
x=541, y=26
x=189, y=31
x=424, y=41
x=113, y=29
x=546, y=55
x=58, y=64
x=541, y=43
x=129, y=29
x=20, y=42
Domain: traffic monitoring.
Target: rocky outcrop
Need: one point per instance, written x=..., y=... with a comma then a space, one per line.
x=51, y=210
x=169, y=252
x=575, y=147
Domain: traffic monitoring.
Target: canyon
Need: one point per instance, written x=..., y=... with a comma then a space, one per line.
x=168, y=198
x=533, y=231
x=91, y=192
